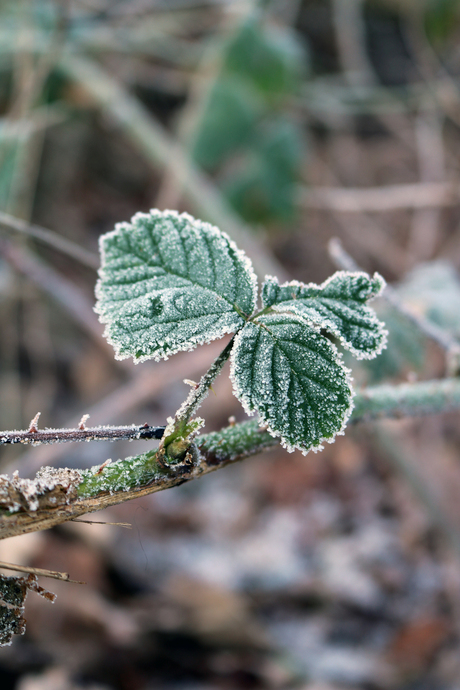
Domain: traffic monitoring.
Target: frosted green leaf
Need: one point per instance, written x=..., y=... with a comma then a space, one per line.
x=294, y=378
x=169, y=282
x=338, y=306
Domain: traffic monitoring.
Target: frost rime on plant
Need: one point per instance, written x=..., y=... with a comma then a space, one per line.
x=169, y=282
x=292, y=375
x=338, y=306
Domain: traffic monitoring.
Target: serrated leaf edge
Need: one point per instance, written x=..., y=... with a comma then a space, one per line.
x=382, y=332
x=193, y=341
x=263, y=422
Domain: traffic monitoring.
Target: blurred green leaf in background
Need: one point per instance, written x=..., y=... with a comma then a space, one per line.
x=247, y=134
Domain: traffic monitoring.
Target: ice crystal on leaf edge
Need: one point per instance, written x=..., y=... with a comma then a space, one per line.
x=169, y=282
x=338, y=306
x=297, y=332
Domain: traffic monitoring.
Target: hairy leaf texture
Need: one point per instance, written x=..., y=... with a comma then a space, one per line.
x=169, y=282
x=338, y=306
x=294, y=378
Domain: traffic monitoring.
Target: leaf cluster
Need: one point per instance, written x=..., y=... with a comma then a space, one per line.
x=169, y=282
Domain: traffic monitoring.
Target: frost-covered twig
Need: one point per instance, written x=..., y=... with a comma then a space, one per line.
x=43, y=572
x=38, y=437
x=378, y=402
x=430, y=329
x=407, y=400
x=143, y=475
x=201, y=390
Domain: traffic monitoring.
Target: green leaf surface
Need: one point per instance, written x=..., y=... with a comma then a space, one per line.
x=294, y=378
x=441, y=19
x=228, y=122
x=338, y=306
x=169, y=282
x=269, y=57
x=261, y=185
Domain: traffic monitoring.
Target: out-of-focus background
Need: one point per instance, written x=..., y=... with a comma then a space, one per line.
x=285, y=123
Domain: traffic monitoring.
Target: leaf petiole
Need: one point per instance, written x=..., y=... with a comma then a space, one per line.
x=198, y=394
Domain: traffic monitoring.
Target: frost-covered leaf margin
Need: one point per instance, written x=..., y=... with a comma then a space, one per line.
x=169, y=282
x=337, y=306
x=294, y=378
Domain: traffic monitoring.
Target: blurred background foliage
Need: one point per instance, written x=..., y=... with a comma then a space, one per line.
x=286, y=123
x=244, y=131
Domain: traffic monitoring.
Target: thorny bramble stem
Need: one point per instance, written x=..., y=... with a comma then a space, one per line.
x=199, y=393
x=38, y=437
x=377, y=402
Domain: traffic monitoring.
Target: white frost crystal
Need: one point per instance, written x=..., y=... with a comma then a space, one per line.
x=293, y=377
x=51, y=487
x=169, y=282
x=338, y=306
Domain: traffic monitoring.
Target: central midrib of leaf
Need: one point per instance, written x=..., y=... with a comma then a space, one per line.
x=187, y=281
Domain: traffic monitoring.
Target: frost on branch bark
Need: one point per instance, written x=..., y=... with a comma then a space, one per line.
x=167, y=283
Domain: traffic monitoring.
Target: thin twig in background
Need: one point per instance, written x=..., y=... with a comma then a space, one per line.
x=375, y=241
x=201, y=86
x=58, y=288
x=142, y=6
x=39, y=118
x=440, y=336
x=43, y=572
x=350, y=36
x=50, y=238
x=418, y=195
x=23, y=133
x=30, y=75
x=442, y=88
x=368, y=235
x=351, y=42
x=425, y=225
